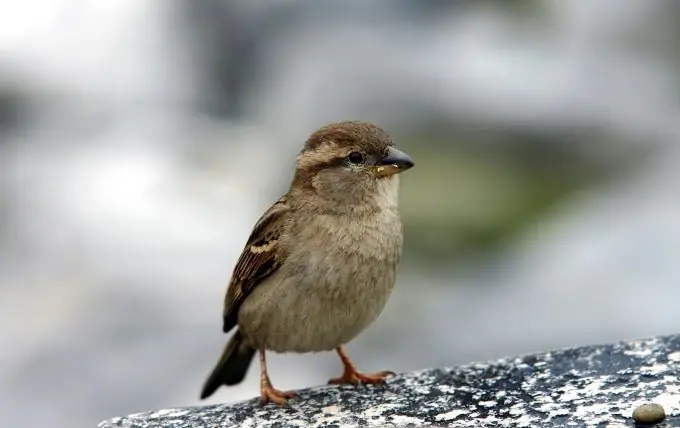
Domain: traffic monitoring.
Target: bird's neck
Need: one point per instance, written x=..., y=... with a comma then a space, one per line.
x=384, y=195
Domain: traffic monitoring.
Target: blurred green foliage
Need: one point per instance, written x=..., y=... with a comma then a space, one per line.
x=460, y=201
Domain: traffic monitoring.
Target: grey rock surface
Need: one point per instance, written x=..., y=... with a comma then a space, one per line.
x=598, y=386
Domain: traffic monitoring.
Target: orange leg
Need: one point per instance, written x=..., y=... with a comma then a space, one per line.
x=267, y=391
x=353, y=376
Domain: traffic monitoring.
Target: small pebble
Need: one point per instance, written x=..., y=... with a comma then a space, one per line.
x=649, y=414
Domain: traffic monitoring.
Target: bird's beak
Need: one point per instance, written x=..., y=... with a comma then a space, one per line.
x=394, y=162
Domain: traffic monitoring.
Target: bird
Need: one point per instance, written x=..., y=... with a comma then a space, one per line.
x=321, y=262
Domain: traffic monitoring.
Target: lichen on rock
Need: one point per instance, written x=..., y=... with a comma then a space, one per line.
x=586, y=386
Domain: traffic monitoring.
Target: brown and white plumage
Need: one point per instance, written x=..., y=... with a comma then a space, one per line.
x=259, y=259
x=321, y=262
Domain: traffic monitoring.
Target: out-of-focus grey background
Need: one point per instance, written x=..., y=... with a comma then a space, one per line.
x=140, y=141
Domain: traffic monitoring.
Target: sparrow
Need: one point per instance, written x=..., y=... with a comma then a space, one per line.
x=321, y=262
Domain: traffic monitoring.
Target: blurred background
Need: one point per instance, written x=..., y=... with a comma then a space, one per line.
x=141, y=140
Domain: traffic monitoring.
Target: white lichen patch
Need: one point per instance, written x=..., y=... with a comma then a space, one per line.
x=524, y=421
x=406, y=420
x=422, y=389
x=446, y=389
x=594, y=413
x=331, y=410
x=669, y=402
x=380, y=409
x=449, y=416
x=167, y=413
x=466, y=389
x=546, y=405
x=655, y=369
x=522, y=417
x=639, y=349
x=588, y=387
x=342, y=418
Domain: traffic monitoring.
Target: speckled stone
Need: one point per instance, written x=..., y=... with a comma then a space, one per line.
x=649, y=414
x=593, y=386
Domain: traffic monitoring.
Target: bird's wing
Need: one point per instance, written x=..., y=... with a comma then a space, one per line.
x=260, y=258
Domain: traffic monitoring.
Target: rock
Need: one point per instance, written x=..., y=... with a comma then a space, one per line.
x=649, y=414
x=586, y=386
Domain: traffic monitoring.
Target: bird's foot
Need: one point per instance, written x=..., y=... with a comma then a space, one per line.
x=269, y=393
x=354, y=377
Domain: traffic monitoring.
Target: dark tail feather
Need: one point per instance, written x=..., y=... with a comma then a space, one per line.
x=232, y=366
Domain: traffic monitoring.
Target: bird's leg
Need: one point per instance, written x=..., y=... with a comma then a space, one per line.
x=267, y=391
x=353, y=376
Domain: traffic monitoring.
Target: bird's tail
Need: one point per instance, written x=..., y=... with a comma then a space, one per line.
x=232, y=366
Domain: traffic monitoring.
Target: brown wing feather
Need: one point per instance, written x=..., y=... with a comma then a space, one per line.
x=260, y=258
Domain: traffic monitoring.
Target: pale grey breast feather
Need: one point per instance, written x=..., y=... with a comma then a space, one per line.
x=330, y=279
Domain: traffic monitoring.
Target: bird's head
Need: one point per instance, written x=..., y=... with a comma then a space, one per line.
x=351, y=163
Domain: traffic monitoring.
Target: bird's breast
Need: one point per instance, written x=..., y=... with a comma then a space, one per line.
x=333, y=286
x=347, y=246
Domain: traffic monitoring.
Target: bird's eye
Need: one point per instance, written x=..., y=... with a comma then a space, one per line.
x=355, y=157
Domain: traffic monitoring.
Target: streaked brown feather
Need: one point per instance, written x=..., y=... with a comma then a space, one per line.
x=260, y=258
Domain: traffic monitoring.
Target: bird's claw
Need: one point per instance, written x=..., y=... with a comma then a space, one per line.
x=268, y=393
x=355, y=377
